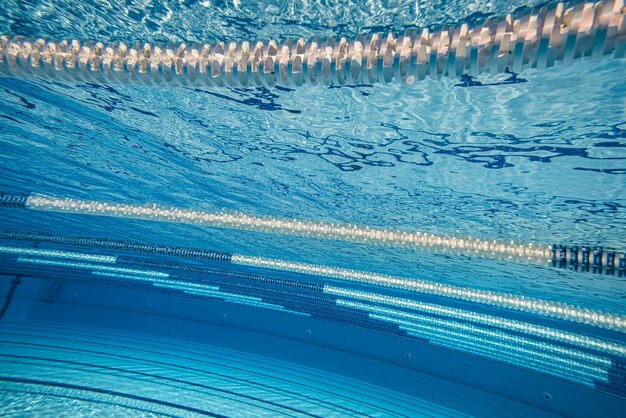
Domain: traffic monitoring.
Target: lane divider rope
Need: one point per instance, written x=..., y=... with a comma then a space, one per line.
x=541, y=307
x=584, y=257
x=558, y=33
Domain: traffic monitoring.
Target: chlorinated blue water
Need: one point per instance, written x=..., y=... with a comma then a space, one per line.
x=119, y=316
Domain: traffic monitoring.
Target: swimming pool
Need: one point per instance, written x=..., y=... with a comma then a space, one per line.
x=428, y=223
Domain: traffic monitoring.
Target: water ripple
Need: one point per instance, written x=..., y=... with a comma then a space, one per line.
x=202, y=21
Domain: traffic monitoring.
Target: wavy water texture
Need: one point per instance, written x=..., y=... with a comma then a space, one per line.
x=204, y=21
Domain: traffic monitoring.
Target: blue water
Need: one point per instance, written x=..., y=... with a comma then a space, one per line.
x=533, y=157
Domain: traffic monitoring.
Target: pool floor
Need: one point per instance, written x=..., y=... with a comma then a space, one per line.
x=47, y=367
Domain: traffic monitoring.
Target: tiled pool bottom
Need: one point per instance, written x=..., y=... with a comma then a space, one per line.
x=76, y=361
x=47, y=368
x=72, y=340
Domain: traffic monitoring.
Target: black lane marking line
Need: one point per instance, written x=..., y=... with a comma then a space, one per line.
x=9, y=297
x=143, y=381
x=129, y=246
x=78, y=398
x=180, y=367
x=112, y=393
x=206, y=362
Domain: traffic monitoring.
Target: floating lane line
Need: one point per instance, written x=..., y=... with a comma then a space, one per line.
x=598, y=258
x=540, y=307
x=540, y=38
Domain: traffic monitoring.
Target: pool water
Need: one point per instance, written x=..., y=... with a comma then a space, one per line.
x=447, y=248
